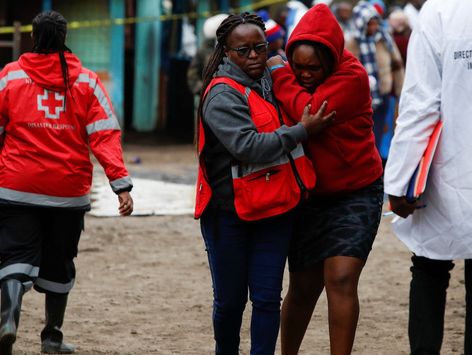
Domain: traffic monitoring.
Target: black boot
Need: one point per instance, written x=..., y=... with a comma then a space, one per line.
x=11, y=297
x=51, y=335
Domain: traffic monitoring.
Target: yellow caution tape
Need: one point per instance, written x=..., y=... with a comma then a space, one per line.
x=73, y=25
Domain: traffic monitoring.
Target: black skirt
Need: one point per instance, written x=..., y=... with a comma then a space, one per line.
x=344, y=225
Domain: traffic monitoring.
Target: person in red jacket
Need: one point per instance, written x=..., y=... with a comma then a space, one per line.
x=52, y=111
x=252, y=173
x=336, y=227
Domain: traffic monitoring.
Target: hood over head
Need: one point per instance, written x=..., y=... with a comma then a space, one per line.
x=46, y=71
x=362, y=13
x=318, y=25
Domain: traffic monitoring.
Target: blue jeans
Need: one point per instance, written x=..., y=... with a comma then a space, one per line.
x=380, y=118
x=246, y=256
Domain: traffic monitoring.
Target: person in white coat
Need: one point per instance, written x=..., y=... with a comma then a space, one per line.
x=412, y=11
x=438, y=86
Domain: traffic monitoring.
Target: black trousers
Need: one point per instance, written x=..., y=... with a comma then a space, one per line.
x=38, y=246
x=428, y=288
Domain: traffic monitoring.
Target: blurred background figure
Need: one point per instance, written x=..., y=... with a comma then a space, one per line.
x=412, y=10
x=188, y=40
x=326, y=2
x=274, y=33
x=373, y=45
x=279, y=14
x=195, y=70
x=380, y=7
x=343, y=13
x=401, y=31
x=202, y=57
x=296, y=10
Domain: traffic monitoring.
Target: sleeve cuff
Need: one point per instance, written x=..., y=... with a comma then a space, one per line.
x=122, y=184
x=129, y=188
x=275, y=67
x=300, y=132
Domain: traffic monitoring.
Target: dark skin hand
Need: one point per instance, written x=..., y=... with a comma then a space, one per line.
x=401, y=206
x=126, y=203
x=315, y=123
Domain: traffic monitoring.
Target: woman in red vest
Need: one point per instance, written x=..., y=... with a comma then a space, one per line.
x=252, y=172
x=53, y=112
x=336, y=226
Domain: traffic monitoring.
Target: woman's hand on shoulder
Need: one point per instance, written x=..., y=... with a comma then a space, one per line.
x=275, y=60
x=315, y=123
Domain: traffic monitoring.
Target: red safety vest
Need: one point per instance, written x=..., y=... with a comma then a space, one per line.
x=260, y=190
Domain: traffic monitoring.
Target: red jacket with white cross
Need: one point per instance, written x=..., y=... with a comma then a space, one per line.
x=46, y=132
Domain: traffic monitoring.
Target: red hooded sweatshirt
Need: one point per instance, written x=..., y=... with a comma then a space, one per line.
x=46, y=133
x=344, y=155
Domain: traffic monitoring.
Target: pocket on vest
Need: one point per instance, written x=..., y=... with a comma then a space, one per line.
x=265, y=193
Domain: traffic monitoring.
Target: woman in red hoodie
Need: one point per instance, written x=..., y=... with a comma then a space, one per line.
x=52, y=113
x=338, y=224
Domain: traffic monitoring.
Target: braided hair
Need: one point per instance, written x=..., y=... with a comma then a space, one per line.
x=222, y=33
x=49, y=36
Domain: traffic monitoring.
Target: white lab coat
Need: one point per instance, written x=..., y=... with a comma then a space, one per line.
x=438, y=83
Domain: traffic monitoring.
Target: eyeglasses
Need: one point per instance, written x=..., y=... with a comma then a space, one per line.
x=245, y=51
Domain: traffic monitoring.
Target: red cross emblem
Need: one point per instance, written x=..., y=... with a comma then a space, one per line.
x=52, y=103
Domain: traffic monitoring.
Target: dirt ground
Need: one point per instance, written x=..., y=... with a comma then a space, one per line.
x=144, y=287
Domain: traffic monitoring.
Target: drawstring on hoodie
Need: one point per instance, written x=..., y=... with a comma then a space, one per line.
x=265, y=88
